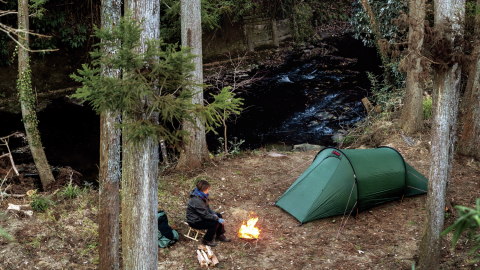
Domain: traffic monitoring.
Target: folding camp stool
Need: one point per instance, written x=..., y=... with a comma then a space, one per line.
x=195, y=232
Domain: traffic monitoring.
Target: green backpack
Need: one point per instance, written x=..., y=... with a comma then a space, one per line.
x=166, y=235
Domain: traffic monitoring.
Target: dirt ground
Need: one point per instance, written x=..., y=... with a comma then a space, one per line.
x=384, y=237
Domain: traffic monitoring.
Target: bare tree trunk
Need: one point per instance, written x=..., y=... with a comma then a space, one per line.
x=474, y=66
x=377, y=36
x=469, y=143
x=472, y=74
x=27, y=100
x=412, y=114
x=371, y=17
x=195, y=152
x=140, y=169
x=110, y=173
x=445, y=108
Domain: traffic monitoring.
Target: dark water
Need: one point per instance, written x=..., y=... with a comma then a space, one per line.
x=306, y=101
x=70, y=135
x=296, y=103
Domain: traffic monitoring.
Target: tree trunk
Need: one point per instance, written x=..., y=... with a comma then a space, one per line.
x=195, y=152
x=140, y=169
x=110, y=173
x=469, y=143
x=472, y=75
x=412, y=114
x=377, y=37
x=445, y=107
x=371, y=17
x=27, y=100
x=474, y=67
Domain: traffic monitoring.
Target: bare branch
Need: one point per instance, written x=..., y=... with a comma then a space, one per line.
x=6, y=137
x=3, y=13
x=15, y=31
x=23, y=47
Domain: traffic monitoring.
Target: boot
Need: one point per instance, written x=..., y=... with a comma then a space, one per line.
x=223, y=238
x=209, y=243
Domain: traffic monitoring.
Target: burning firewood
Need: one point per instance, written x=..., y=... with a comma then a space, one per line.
x=248, y=229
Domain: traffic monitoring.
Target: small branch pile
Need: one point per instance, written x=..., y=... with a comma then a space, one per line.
x=206, y=257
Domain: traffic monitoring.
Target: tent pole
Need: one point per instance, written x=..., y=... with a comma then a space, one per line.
x=356, y=215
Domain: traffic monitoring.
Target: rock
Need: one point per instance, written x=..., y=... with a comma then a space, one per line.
x=325, y=116
x=363, y=146
x=306, y=51
x=276, y=155
x=307, y=147
x=338, y=137
x=316, y=51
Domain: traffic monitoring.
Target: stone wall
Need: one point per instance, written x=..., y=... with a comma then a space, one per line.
x=254, y=33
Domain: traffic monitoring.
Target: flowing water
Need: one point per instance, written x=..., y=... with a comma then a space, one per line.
x=313, y=101
x=301, y=101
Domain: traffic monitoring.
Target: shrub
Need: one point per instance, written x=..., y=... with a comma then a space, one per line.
x=427, y=108
x=40, y=203
x=70, y=191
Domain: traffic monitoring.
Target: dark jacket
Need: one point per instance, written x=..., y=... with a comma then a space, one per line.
x=198, y=209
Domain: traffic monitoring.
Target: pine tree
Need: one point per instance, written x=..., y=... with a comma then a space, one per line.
x=154, y=95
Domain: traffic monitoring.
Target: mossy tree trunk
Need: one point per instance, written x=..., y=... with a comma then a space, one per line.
x=110, y=172
x=140, y=168
x=377, y=36
x=194, y=153
x=412, y=114
x=445, y=108
x=27, y=100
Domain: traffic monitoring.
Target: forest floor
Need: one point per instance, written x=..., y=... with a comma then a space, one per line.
x=384, y=237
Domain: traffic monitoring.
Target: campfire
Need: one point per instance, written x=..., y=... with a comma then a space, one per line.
x=248, y=229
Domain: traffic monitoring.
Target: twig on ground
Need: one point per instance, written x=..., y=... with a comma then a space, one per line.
x=3, y=181
x=5, y=142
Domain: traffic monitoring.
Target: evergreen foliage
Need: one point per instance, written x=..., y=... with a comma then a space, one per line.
x=385, y=11
x=469, y=220
x=155, y=82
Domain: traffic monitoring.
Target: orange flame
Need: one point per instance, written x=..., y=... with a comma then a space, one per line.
x=249, y=230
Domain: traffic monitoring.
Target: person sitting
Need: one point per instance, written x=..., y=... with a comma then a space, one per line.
x=200, y=216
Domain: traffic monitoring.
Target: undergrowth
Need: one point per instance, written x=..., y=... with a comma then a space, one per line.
x=70, y=191
x=427, y=108
x=40, y=203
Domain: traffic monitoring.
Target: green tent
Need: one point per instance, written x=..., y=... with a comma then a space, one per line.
x=340, y=181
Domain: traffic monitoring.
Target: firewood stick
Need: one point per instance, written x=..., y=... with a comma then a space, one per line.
x=201, y=260
x=202, y=247
x=206, y=257
x=209, y=252
x=214, y=260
